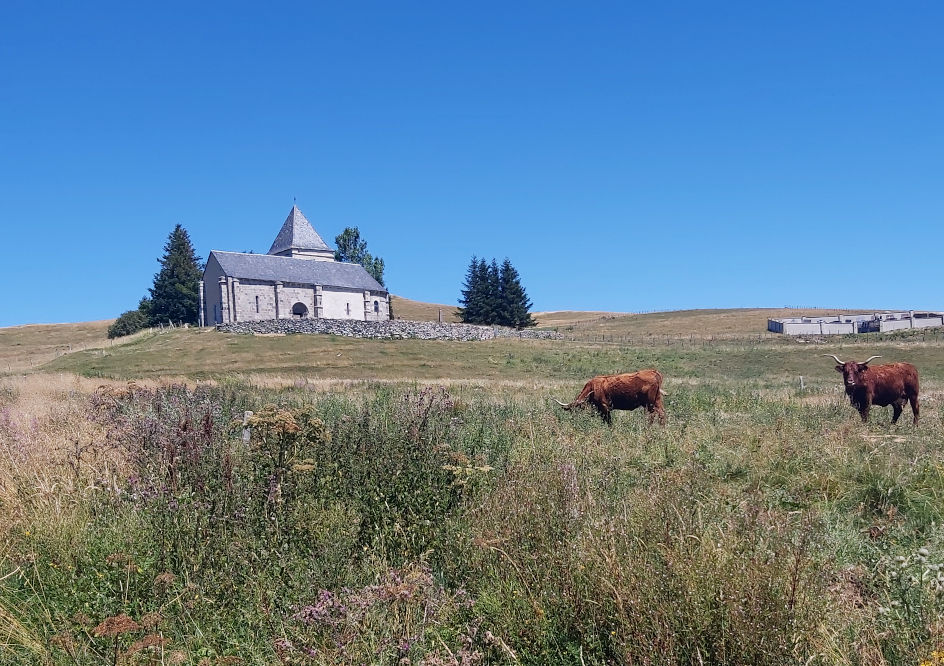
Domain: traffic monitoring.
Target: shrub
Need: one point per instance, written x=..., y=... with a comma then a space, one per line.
x=127, y=323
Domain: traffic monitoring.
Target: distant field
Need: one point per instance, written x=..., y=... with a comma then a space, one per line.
x=721, y=343
x=404, y=308
x=697, y=323
x=25, y=347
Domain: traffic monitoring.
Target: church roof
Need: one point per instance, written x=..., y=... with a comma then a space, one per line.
x=297, y=234
x=270, y=268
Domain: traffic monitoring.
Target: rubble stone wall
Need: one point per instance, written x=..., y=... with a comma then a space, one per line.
x=391, y=329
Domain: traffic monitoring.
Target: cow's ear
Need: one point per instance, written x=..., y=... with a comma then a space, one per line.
x=839, y=368
x=863, y=366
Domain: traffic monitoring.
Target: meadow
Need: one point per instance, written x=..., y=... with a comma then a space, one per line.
x=417, y=502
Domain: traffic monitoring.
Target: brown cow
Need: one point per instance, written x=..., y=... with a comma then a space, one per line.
x=624, y=391
x=889, y=384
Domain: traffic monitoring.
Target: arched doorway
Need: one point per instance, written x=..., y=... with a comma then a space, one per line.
x=299, y=310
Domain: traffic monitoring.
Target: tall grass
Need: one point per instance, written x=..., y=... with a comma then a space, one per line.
x=409, y=524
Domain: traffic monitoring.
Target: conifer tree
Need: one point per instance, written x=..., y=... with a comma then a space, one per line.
x=493, y=295
x=515, y=308
x=471, y=299
x=175, y=295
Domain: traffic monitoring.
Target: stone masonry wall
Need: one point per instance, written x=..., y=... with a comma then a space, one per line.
x=393, y=329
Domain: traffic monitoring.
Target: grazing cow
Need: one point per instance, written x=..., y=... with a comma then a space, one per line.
x=882, y=385
x=624, y=391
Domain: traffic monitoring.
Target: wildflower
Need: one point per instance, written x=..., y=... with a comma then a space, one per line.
x=151, y=640
x=115, y=625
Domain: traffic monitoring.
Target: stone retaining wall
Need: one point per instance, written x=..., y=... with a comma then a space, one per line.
x=392, y=329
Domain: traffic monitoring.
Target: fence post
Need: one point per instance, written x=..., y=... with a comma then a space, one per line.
x=246, y=428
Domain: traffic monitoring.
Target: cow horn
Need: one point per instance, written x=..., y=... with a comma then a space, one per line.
x=835, y=357
x=562, y=404
x=870, y=358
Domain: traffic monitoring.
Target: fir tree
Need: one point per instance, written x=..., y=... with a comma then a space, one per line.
x=352, y=249
x=175, y=294
x=493, y=295
x=515, y=305
x=471, y=299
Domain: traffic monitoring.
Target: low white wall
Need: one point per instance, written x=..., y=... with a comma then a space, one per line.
x=831, y=328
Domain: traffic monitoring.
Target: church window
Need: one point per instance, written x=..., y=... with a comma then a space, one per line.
x=377, y=307
x=348, y=308
x=257, y=305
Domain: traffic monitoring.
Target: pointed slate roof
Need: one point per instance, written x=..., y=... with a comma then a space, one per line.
x=270, y=268
x=297, y=234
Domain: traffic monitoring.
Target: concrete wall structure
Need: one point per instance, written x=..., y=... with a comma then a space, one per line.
x=857, y=323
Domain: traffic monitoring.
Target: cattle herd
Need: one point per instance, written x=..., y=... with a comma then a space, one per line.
x=889, y=384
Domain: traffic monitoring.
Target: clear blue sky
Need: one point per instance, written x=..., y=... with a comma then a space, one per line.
x=625, y=156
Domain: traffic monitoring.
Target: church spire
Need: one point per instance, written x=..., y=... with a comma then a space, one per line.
x=297, y=238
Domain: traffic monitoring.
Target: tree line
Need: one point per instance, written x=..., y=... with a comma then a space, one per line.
x=493, y=295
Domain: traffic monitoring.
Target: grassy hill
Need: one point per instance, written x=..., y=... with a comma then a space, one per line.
x=25, y=347
x=730, y=342
x=732, y=358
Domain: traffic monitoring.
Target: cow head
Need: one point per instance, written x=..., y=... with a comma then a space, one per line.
x=851, y=370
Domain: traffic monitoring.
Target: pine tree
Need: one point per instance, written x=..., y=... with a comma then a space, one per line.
x=515, y=305
x=175, y=294
x=471, y=299
x=493, y=295
x=352, y=249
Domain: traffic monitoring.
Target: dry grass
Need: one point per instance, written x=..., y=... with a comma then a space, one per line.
x=404, y=308
x=49, y=449
x=554, y=318
x=26, y=347
x=697, y=323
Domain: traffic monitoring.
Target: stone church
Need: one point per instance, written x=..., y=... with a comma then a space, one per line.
x=297, y=278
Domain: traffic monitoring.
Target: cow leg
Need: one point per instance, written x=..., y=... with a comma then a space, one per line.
x=607, y=415
x=864, y=413
x=896, y=410
x=660, y=410
x=914, y=408
x=604, y=407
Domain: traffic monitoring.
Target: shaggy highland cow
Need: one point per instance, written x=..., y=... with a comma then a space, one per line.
x=623, y=391
x=882, y=385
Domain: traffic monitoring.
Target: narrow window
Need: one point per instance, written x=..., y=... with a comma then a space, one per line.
x=257, y=305
x=348, y=308
x=377, y=307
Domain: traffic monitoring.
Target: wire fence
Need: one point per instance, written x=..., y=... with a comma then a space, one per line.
x=702, y=340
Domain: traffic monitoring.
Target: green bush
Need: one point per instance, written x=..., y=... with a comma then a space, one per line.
x=127, y=323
